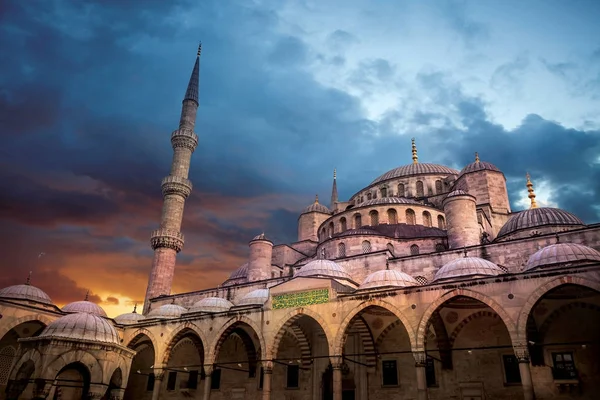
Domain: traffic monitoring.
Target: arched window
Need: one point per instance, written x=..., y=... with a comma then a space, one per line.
x=357, y=221
x=331, y=231
x=438, y=187
x=342, y=224
x=323, y=234
x=392, y=216
x=369, y=196
x=383, y=192
x=342, y=250
x=420, y=190
x=440, y=247
x=426, y=218
x=401, y=191
x=375, y=194
x=410, y=217
x=414, y=250
x=390, y=248
x=366, y=247
x=374, y=215
x=441, y=222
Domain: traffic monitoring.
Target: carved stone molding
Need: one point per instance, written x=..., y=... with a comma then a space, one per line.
x=168, y=238
x=521, y=352
x=176, y=185
x=336, y=362
x=420, y=358
x=184, y=138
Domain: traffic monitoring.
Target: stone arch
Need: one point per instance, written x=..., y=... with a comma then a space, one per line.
x=139, y=334
x=288, y=320
x=27, y=318
x=338, y=345
x=357, y=220
x=561, y=310
x=302, y=342
x=76, y=356
x=422, y=329
x=541, y=291
x=392, y=216
x=366, y=338
x=373, y=218
x=410, y=216
x=227, y=328
x=123, y=367
x=427, y=219
x=343, y=224
x=190, y=330
x=466, y=320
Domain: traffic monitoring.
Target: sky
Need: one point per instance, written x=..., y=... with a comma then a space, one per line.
x=90, y=92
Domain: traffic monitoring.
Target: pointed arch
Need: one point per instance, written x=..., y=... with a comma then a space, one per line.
x=541, y=291
x=90, y=362
x=288, y=320
x=302, y=342
x=392, y=216
x=366, y=338
x=32, y=355
x=27, y=318
x=186, y=330
x=138, y=335
x=340, y=337
x=422, y=329
x=229, y=327
x=410, y=216
x=467, y=319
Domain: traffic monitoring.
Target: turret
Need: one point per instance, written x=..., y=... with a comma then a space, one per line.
x=311, y=218
x=461, y=219
x=261, y=253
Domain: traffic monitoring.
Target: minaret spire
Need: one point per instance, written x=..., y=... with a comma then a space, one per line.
x=334, y=193
x=531, y=194
x=168, y=240
x=415, y=158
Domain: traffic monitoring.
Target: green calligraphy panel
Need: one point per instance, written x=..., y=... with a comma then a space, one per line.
x=300, y=299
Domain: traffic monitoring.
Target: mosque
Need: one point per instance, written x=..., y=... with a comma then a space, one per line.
x=422, y=285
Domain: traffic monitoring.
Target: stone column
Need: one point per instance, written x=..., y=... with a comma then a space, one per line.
x=420, y=362
x=207, y=381
x=158, y=378
x=267, y=374
x=336, y=364
x=522, y=354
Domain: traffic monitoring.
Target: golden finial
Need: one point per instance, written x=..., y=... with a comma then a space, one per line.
x=476, y=157
x=334, y=173
x=87, y=295
x=199, y=49
x=316, y=199
x=414, y=152
x=135, y=308
x=531, y=192
x=28, y=282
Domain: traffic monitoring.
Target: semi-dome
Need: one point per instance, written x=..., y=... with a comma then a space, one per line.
x=561, y=253
x=84, y=306
x=255, y=297
x=388, y=277
x=129, y=318
x=25, y=292
x=323, y=268
x=416, y=169
x=84, y=326
x=538, y=217
x=388, y=200
x=467, y=266
x=479, y=166
x=167, y=311
x=211, y=305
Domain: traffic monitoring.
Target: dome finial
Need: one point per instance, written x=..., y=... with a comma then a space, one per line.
x=465, y=251
x=87, y=295
x=415, y=158
x=387, y=264
x=316, y=199
x=28, y=282
x=531, y=192
x=135, y=308
x=476, y=157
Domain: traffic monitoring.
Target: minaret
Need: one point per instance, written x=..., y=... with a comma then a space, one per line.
x=415, y=158
x=531, y=194
x=334, y=193
x=167, y=241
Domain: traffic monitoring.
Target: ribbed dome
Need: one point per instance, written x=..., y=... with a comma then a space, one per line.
x=255, y=297
x=241, y=272
x=25, y=292
x=167, y=311
x=416, y=169
x=537, y=217
x=388, y=277
x=479, y=166
x=316, y=207
x=561, y=253
x=468, y=266
x=129, y=318
x=323, y=268
x=82, y=326
x=388, y=200
x=84, y=306
x=211, y=305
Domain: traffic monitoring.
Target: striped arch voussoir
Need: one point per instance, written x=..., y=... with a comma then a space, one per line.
x=288, y=322
x=238, y=322
x=186, y=330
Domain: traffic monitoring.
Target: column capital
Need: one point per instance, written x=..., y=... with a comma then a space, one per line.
x=267, y=366
x=208, y=369
x=96, y=391
x=336, y=361
x=420, y=358
x=521, y=352
x=117, y=394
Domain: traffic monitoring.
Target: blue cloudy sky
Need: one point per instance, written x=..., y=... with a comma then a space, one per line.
x=91, y=90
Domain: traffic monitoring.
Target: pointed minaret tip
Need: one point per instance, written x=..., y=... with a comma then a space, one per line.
x=199, y=49
x=415, y=158
x=87, y=295
x=531, y=194
x=476, y=157
x=316, y=199
x=334, y=191
x=192, y=90
x=135, y=308
x=334, y=173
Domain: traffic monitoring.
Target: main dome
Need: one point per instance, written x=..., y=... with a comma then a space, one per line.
x=388, y=277
x=537, y=217
x=84, y=306
x=323, y=268
x=467, y=266
x=560, y=253
x=82, y=326
x=416, y=169
x=25, y=292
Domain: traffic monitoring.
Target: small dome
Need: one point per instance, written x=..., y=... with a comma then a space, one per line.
x=562, y=253
x=84, y=326
x=388, y=200
x=84, y=306
x=167, y=311
x=241, y=272
x=323, y=268
x=537, y=217
x=467, y=266
x=388, y=277
x=255, y=297
x=479, y=166
x=129, y=318
x=25, y=292
x=457, y=192
x=316, y=207
x=212, y=305
x=416, y=169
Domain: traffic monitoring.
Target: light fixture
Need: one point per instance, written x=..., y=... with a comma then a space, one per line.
x=152, y=366
x=289, y=362
x=470, y=351
x=240, y=365
x=583, y=346
x=138, y=371
x=531, y=342
x=299, y=361
x=185, y=368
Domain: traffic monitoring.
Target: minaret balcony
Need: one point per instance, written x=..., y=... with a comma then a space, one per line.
x=176, y=185
x=167, y=238
x=184, y=138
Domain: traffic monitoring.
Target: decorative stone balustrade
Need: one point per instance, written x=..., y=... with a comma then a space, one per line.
x=176, y=185
x=167, y=238
x=184, y=138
